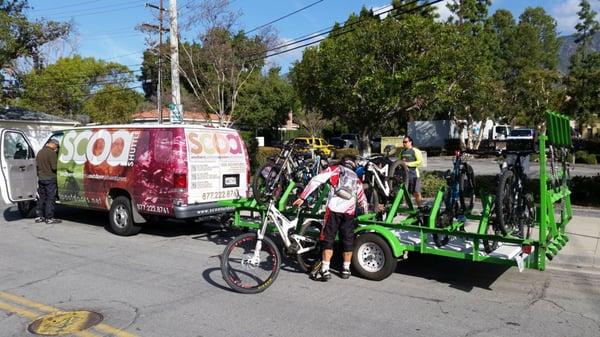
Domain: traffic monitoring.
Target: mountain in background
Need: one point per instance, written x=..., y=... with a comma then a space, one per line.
x=567, y=48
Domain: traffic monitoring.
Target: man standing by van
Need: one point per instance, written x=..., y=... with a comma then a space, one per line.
x=46, y=161
x=413, y=159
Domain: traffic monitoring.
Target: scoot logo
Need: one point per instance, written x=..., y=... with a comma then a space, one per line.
x=214, y=143
x=97, y=147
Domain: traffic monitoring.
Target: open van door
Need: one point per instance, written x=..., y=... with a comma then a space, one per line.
x=19, y=175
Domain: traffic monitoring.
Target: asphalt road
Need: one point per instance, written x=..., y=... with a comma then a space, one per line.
x=489, y=166
x=166, y=282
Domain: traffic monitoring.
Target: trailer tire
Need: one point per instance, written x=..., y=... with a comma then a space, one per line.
x=372, y=257
x=27, y=208
x=120, y=217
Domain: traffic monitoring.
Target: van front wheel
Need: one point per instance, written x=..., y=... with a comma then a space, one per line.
x=121, y=218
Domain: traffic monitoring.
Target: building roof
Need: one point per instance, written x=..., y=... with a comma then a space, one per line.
x=22, y=114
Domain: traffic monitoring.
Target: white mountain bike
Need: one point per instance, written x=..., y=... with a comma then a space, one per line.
x=250, y=263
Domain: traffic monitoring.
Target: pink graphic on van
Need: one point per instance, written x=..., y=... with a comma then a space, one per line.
x=210, y=143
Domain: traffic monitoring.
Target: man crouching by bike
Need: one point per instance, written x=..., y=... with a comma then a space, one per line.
x=345, y=192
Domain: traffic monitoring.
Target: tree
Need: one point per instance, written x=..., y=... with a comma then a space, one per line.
x=313, y=121
x=369, y=71
x=583, y=82
x=112, y=104
x=23, y=38
x=220, y=62
x=265, y=102
x=64, y=87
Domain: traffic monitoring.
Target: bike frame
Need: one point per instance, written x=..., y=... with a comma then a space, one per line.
x=376, y=174
x=283, y=226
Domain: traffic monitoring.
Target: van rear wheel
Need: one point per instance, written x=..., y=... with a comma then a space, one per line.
x=27, y=208
x=121, y=218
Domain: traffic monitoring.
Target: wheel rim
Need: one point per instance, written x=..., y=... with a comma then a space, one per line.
x=121, y=216
x=371, y=257
x=243, y=271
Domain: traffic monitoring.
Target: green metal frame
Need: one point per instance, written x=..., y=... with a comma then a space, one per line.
x=552, y=232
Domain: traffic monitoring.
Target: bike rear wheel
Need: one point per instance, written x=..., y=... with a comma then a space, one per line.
x=312, y=231
x=398, y=175
x=244, y=275
x=444, y=219
x=505, y=202
x=467, y=189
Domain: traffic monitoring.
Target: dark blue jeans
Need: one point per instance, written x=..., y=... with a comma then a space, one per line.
x=47, y=193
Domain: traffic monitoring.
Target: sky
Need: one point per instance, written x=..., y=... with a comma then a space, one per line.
x=106, y=29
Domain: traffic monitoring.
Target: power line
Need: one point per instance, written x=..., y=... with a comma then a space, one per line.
x=283, y=17
x=345, y=30
x=84, y=10
x=92, y=13
x=66, y=6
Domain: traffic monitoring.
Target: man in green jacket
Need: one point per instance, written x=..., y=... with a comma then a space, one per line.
x=413, y=159
x=46, y=161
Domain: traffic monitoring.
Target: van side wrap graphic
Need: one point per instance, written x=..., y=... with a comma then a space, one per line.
x=205, y=143
x=116, y=148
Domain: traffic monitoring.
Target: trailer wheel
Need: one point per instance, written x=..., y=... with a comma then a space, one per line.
x=121, y=218
x=372, y=257
x=27, y=208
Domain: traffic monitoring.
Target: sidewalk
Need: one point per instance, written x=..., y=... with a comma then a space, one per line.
x=583, y=249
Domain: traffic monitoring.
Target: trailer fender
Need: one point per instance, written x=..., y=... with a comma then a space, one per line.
x=397, y=247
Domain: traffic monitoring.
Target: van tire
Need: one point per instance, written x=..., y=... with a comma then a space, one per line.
x=27, y=208
x=120, y=218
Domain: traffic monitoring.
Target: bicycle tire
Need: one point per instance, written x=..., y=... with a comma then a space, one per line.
x=308, y=260
x=444, y=219
x=234, y=267
x=467, y=189
x=398, y=174
x=528, y=218
x=505, y=202
x=262, y=179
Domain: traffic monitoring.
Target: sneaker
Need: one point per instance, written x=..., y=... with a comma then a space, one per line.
x=40, y=219
x=322, y=276
x=53, y=221
x=345, y=274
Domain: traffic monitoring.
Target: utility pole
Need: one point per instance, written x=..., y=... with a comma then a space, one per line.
x=175, y=91
x=160, y=28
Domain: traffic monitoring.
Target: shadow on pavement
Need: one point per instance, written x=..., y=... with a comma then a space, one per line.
x=459, y=274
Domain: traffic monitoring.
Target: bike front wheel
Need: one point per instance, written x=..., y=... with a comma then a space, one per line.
x=247, y=272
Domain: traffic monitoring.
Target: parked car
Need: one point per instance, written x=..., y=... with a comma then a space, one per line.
x=338, y=142
x=134, y=172
x=375, y=144
x=352, y=139
x=314, y=143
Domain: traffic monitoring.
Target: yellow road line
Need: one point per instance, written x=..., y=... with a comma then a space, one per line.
x=28, y=314
x=45, y=308
x=26, y=302
x=113, y=331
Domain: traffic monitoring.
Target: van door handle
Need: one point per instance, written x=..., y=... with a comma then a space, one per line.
x=23, y=168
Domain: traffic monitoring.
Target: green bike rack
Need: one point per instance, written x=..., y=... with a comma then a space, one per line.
x=402, y=231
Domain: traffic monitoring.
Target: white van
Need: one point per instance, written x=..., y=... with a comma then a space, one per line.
x=134, y=172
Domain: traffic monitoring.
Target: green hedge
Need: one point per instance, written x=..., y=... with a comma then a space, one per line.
x=339, y=153
x=584, y=157
x=264, y=152
x=431, y=183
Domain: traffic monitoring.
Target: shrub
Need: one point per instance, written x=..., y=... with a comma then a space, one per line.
x=431, y=184
x=584, y=190
x=263, y=154
x=585, y=158
x=339, y=153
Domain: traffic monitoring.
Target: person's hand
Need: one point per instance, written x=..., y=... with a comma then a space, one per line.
x=298, y=202
x=379, y=208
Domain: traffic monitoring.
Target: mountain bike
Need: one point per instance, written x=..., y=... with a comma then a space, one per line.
x=250, y=263
x=275, y=175
x=458, y=197
x=383, y=176
x=513, y=209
